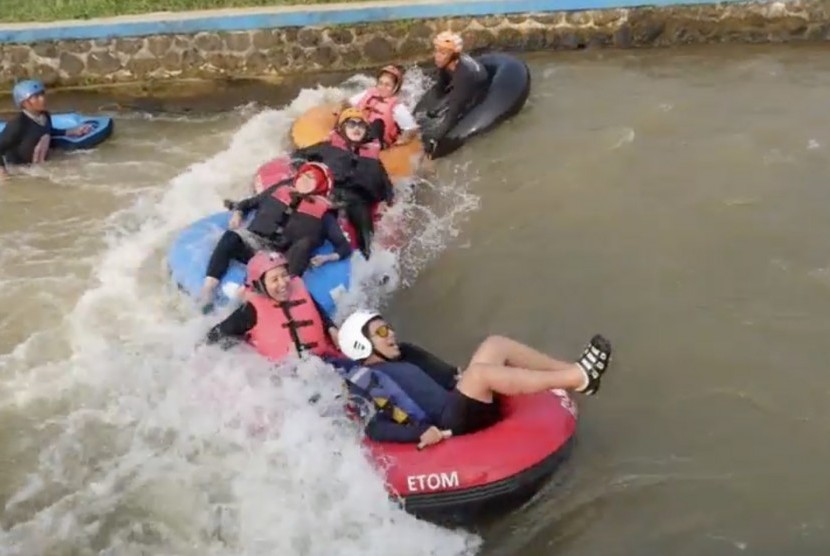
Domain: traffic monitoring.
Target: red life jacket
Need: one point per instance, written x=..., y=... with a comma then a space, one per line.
x=312, y=205
x=305, y=220
x=291, y=327
x=377, y=107
x=369, y=150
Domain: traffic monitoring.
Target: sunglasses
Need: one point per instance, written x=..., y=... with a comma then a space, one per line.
x=356, y=124
x=383, y=331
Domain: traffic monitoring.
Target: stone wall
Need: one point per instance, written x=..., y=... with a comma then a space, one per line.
x=294, y=50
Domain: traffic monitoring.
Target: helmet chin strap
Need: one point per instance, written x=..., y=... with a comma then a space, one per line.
x=379, y=354
x=260, y=287
x=262, y=290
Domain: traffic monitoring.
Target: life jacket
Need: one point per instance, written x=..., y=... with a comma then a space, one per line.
x=374, y=385
x=292, y=326
x=310, y=206
x=369, y=150
x=377, y=107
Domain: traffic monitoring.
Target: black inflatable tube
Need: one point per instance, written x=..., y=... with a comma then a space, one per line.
x=506, y=95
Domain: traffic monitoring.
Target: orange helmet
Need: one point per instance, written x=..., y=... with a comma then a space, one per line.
x=351, y=114
x=448, y=42
x=394, y=72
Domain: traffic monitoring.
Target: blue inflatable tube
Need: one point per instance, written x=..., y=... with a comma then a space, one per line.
x=189, y=255
x=101, y=129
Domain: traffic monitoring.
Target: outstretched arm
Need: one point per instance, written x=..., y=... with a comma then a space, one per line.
x=234, y=328
x=246, y=205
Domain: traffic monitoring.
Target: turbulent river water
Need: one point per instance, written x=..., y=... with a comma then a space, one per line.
x=674, y=200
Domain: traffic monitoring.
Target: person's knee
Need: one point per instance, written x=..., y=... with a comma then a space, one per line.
x=299, y=249
x=306, y=242
x=473, y=379
x=230, y=241
x=493, y=344
x=227, y=238
x=496, y=341
x=491, y=350
x=299, y=256
x=476, y=382
x=224, y=246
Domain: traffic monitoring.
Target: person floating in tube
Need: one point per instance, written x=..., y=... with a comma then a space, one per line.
x=424, y=400
x=279, y=317
x=293, y=216
x=360, y=180
x=390, y=121
x=461, y=82
x=26, y=138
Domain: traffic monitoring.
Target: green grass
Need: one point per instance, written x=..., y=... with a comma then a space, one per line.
x=54, y=10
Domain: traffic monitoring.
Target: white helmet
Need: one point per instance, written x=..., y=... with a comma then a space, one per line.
x=354, y=343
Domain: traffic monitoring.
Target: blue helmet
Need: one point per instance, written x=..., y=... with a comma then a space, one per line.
x=25, y=90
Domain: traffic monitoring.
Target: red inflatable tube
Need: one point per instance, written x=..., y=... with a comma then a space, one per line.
x=466, y=477
x=469, y=476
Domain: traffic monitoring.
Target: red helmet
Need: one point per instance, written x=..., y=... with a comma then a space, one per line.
x=323, y=177
x=394, y=72
x=260, y=263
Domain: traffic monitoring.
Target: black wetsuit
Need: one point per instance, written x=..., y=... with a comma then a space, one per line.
x=297, y=235
x=21, y=136
x=235, y=327
x=359, y=182
x=453, y=95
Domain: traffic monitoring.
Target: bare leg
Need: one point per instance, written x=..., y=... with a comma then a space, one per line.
x=480, y=381
x=230, y=247
x=209, y=286
x=504, y=366
x=498, y=350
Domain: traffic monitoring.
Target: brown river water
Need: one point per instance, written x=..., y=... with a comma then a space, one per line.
x=674, y=200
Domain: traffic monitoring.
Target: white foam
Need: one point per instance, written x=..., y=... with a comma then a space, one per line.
x=147, y=445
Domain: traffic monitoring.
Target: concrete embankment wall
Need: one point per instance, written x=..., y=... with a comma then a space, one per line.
x=284, y=41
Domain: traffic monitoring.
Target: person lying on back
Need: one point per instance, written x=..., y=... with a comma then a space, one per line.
x=360, y=180
x=424, y=400
x=294, y=217
x=279, y=317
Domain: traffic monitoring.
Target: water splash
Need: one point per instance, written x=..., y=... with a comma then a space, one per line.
x=136, y=442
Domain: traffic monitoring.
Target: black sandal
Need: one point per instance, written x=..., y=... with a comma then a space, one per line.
x=594, y=362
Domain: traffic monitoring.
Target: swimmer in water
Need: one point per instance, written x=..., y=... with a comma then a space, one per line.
x=26, y=138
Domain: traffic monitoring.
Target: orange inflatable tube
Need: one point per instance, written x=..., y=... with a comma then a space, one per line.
x=315, y=125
